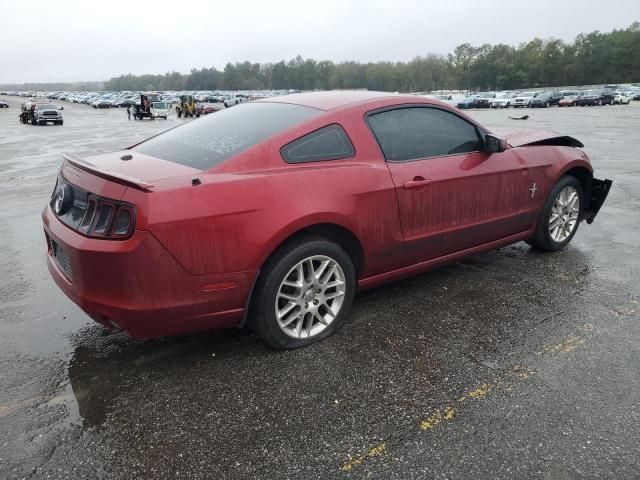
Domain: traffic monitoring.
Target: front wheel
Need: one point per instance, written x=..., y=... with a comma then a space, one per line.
x=560, y=217
x=304, y=293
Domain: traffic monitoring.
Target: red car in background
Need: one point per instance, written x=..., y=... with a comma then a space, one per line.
x=208, y=108
x=569, y=99
x=275, y=212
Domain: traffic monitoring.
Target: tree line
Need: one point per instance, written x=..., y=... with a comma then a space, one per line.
x=593, y=58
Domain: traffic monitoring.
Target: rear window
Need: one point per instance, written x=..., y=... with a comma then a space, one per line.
x=209, y=141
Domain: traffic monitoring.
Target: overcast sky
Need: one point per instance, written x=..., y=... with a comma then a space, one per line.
x=73, y=40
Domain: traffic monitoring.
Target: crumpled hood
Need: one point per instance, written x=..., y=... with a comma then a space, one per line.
x=521, y=138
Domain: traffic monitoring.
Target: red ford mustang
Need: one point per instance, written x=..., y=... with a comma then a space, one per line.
x=274, y=213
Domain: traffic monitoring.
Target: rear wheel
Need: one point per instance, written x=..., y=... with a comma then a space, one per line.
x=304, y=293
x=560, y=217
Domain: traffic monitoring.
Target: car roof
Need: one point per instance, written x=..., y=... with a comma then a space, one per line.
x=334, y=99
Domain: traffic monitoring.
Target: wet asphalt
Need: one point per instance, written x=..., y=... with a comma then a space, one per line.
x=512, y=364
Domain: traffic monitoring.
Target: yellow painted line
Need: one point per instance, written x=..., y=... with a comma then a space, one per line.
x=436, y=417
x=449, y=412
x=566, y=346
x=480, y=392
x=357, y=461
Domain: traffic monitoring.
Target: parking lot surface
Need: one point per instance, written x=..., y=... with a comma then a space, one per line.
x=512, y=364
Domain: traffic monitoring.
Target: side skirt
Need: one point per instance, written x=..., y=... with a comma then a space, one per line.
x=371, y=282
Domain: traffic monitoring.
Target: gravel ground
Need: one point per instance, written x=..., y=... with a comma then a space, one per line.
x=513, y=364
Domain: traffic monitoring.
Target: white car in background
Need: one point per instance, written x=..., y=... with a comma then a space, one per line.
x=502, y=100
x=621, y=98
x=523, y=99
x=235, y=100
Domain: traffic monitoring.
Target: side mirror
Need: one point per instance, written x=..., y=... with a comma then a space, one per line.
x=493, y=144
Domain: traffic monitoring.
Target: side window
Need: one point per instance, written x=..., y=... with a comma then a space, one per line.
x=328, y=143
x=422, y=132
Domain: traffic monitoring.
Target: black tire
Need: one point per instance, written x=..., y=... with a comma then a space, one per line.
x=541, y=238
x=262, y=312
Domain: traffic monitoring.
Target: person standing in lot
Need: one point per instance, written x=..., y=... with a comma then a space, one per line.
x=129, y=111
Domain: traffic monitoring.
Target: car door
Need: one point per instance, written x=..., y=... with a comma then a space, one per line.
x=452, y=195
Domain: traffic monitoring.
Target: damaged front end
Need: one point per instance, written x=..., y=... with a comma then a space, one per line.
x=599, y=191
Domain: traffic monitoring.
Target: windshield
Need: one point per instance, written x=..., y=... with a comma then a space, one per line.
x=544, y=95
x=47, y=106
x=504, y=95
x=209, y=141
x=527, y=94
x=159, y=105
x=593, y=92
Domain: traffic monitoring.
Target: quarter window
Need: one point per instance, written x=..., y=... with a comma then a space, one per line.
x=422, y=132
x=328, y=143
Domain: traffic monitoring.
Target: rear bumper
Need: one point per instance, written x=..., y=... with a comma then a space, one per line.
x=599, y=191
x=136, y=285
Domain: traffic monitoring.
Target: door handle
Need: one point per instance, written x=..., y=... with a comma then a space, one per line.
x=417, y=182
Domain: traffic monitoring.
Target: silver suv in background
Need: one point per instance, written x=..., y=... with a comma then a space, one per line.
x=47, y=112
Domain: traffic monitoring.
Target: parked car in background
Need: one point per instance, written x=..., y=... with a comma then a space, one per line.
x=208, y=108
x=235, y=100
x=621, y=98
x=3, y=104
x=483, y=99
x=197, y=228
x=545, y=99
x=102, y=103
x=523, y=99
x=502, y=100
x=595, y=97
x=570, y=99
x=468, y=102
x=127, y=102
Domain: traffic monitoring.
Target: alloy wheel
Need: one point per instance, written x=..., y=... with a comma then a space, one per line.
x=310, y=296
x=565, y=213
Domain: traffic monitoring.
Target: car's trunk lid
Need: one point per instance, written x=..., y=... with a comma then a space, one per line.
x=126, y=168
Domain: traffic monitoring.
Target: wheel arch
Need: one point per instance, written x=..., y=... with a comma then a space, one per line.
x=332, y=231
x=585, y=176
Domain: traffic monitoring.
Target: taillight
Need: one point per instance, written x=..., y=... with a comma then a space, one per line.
x=106, y=218
x=90, y=214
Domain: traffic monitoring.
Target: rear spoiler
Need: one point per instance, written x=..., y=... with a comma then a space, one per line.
x=106, y=174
